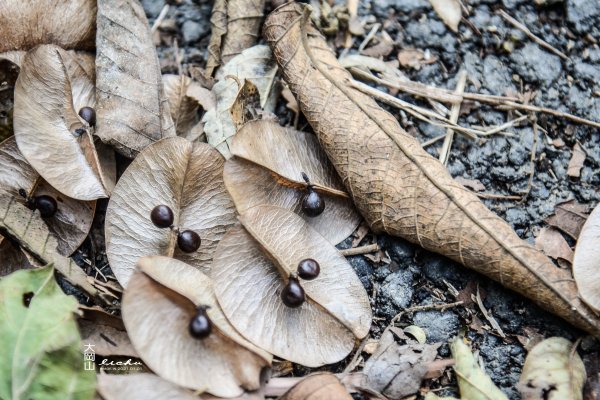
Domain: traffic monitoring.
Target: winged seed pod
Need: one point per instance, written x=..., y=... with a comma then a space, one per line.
x=397, y=186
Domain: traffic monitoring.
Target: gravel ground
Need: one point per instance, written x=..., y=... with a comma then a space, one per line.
x=497, y=58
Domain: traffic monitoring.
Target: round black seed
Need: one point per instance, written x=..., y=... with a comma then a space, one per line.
x=200, y=326
x=88, y=114
x=188, y=241
x=47, y=205
x=162, y=216
x=308, y=269
x=313, y=203
x=292, y=294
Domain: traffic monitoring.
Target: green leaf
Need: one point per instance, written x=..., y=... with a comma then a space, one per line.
x=40, y=356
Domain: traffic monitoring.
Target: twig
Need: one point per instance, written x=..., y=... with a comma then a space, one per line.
x=160, y=18
x=487, y=316
x=531, y=163
x=526, y=31
x=370, y=248
x=504, y=126
x=432, y=141
x=426, y=307
x=370, y=36
x=498, y=196
x=354, y=362
x=454, y=112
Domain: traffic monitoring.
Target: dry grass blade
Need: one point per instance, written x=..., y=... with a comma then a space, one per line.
x=397, y=186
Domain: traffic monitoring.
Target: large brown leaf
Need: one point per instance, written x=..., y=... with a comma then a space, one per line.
x=157, y=317
x=251, y=267
x=73, y=219
x=397, y=186
x=323, y=386
x=184, y=176
x=586, y=261
x=141, y=387
x=132, y=110
x=49, y=92
x=267, y=170
x=66, y=23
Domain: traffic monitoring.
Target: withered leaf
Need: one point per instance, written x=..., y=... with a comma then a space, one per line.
x=186, y=177
x=106, y=332
x=553, y=244
x=132, y=110
x=235, y=27
x=141, y=387
x=586, y=261
x=25, y=24
x=397, y=186
x=569, y=217
x=250, y=268
x=157, y=318
x=552, y=372
x=73, y=219
x=13, y=258
x=576, y=161
x=449, y=11
x=9, y=71
x=49, y=92
x=267, y=170
x=320, y=386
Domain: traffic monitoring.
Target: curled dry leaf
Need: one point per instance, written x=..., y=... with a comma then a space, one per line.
x=73, y=219
x=267, y=170
x=256, y=65
x=186, y=177
x=321, y=386
x=586, y=261
x=569, y=217
x=157, y=312
x=397, y=186
x=51, y=89
x=235, y=27
x=553, y=244
x=13, y=258
x=132, y=110
x=449, y=11
x=552, y=371
x=576, y=161
x=141, y=387
x=106, y=332
x=25, y=24
x=252, y=265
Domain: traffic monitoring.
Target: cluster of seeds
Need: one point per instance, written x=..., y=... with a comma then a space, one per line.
x=292, y=294
x=162, y=216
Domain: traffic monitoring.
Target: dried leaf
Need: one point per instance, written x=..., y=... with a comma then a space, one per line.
x=26, y=24
x=255, y=65
x=184, y=176
x=396, y=371
x=9, y=71
x=553, y=244
x=132, y=110
x=414, y=58
x=552, y=372
x=267, y=171
x=586, y=261
x=473, y=184
x=473, y=382
x=13, y=258
x=73, y=219
x=320, y=386
x=397, y=186
x=569, y=217
x=235, y=27
x=576, y=161
x=141, y=387
x=36, y=364
x=449, y=11
x=157, y=319
x=247, y=284
x=106, y=332
x=49, y=92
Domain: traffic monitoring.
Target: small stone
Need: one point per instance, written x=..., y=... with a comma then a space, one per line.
x=192, y=31
x=438, y=326
x=535, y=64
x=397, y=289
x=583, y=14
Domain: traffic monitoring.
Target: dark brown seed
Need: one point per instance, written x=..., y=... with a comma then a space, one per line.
x=162, y=216
x=46, y=204
x=292, y=294
x=188, y=241
x=88, y=114
x=200, y=325
x=312, y=203
x=308, y=269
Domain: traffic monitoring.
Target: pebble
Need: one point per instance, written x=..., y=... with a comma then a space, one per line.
x=535, y=64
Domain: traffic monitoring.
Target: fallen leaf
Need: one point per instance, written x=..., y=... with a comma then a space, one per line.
x=157, y=317
x=265, y=251
x=141, y=387
x=26, y=24
x=371, y=64
x=552, y=372
x=132, y=110
x=255, y=65
x=37, y=364
x=320, y=386
x=586, y=261
x=291, y=102
x=106, y=332
x=473, y=184
x=553, y=244
x=415, y=58
x=397, y=186
x=186, y=177
x=576, y=161
x=9, y=71
x=13, y=258
x=382, y=49
x=235, y=27
x=267, y=170
x=449, y=11
x=395, y=370
x=473, y=382
x=49, y=92
x=569, y=217
x=73, y=219
x=417, y=333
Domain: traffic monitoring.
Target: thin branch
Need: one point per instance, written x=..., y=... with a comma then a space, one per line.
x=454, y=113
x=160, y=18
x=370, y=248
